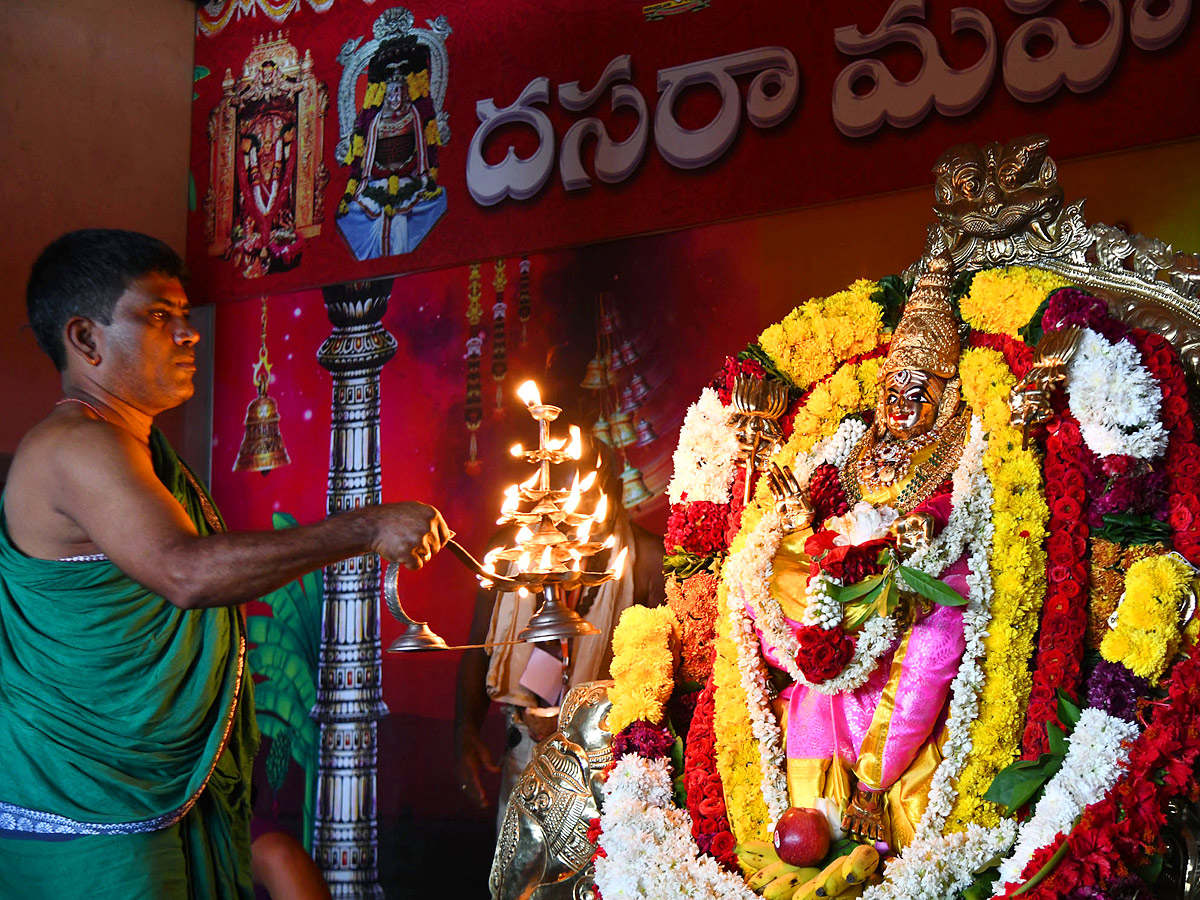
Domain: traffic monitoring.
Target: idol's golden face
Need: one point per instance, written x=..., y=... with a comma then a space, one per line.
x=910, y=402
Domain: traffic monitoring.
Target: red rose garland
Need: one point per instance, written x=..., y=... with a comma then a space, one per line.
x=705, y=796
x=1064, y=616
x=1183, y=456
x=1121, y=832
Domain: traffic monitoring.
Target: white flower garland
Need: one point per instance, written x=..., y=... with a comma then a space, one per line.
x=938, y=867
x=819, y=606
x=969, y=529
x=648, y=841
x=705, y=460
x=1116, y=399
x=1096, y=755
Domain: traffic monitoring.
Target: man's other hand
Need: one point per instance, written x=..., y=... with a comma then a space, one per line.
x=471, y=755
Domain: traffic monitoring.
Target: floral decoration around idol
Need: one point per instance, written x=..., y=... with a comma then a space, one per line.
x=1065, y=749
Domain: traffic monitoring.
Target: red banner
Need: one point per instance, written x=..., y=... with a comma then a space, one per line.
x=339, y=139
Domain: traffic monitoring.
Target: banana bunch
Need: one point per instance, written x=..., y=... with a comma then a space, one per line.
x=845, y=878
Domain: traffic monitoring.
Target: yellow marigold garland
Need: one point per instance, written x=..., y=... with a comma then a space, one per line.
x=1018, y=564
x=1147, y=632
x=1001, y=301
x=737, y=748
x=645, y=647
x=814, y=337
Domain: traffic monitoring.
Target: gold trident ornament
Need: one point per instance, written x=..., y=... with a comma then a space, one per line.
x=758, y=404
x=1030, y=400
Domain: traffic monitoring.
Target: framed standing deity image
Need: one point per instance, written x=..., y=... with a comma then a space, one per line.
x=390, y=132
x=266, y=175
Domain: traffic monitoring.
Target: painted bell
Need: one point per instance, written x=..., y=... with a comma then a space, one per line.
x=645, y=433
x=639, y=387
x=633, y=490
x=621, y=425
x=629, y=402
x=262, y=445
x=596, y=378
x=601, y=431
x=629, y=354
x=615, y=361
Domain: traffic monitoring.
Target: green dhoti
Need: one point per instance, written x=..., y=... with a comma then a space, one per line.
x=127, y=730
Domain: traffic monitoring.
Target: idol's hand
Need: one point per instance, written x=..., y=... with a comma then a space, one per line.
x=866, y=816
x=790, y=500
x=913, y=531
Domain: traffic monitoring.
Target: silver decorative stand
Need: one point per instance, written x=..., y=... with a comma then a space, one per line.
x=350, y=691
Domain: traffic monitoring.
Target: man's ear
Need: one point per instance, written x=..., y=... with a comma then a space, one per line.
x=81, y=339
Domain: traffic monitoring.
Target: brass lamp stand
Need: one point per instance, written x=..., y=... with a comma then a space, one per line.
x=554, y=539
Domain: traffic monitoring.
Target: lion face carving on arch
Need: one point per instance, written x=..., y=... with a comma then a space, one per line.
x=994, y=191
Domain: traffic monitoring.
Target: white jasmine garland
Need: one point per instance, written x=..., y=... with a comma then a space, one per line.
x=705, y=460
x=820, y=608
x=969, y=529
x=648, y=841
x=1097, y=753
x=1116, y=399
x=938, y=867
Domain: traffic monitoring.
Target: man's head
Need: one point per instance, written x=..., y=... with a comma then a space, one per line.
x=84, y=273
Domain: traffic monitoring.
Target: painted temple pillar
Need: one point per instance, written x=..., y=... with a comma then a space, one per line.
x=349, y=692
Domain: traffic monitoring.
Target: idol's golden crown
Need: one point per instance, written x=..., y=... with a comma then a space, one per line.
x=927, y=336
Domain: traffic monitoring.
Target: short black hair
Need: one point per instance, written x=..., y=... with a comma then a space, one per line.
x=84, y=273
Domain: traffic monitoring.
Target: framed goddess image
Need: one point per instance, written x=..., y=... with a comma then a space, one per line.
x=391, y=135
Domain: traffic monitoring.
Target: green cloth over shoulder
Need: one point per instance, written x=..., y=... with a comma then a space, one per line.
x=128, y=725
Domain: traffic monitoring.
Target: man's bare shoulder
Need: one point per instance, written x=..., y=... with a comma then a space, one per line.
x=51, y=461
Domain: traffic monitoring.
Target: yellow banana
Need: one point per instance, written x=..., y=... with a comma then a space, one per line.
x=832, y=881
x=785, y=886
x=753, y=855
x=769, y=873
x=808, y=890
x=853, y=891
x=859, y=864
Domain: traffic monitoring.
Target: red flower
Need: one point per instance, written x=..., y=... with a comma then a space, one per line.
x=823, y=654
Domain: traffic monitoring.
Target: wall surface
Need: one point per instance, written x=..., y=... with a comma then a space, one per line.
x=95, y=113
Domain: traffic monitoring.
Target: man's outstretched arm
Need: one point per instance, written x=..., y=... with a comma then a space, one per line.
x=102, y=481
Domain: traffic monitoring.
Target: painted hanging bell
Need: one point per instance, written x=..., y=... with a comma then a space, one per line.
x=596, y=378
x=633, y=490
x=262, y=445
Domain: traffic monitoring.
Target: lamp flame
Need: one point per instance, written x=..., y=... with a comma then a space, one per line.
x=601, y=512
x=546, y=560
x=584, y=530
x=609, y=541
x=524, y=534
x=619, y=565
x=516, y=449
x=529, y=394
x=588, y=480
x=575, y=450
x=573, y=499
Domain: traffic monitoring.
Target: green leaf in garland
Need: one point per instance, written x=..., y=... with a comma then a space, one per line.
x=678, y=784
x=759, y=355
x=1128, y=529
x=891, y=296
x=932, y=589
x=958, y=290
x=1020, y=782
x=1058, y=740
x=851, y=592
x=684, y=565
x=1068, y=712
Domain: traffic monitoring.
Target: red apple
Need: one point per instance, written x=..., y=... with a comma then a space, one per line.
x=802, y=836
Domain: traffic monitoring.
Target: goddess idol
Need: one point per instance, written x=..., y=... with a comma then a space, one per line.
x=864, y=753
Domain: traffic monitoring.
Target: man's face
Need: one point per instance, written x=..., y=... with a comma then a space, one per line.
x=148, y=357
x=910, y=402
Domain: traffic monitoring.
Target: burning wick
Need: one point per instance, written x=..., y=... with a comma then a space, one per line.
x=529, y=394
